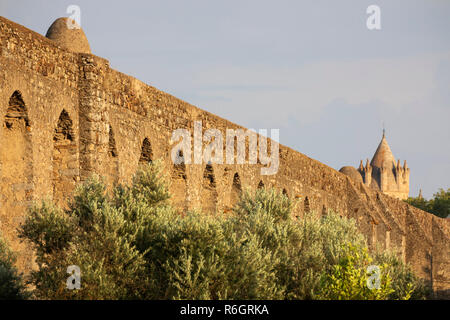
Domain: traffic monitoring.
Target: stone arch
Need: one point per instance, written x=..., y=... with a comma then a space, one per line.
x=64, y=158
x=16, y=112
x=306, y=205
x=16, y=159
x=261, y=185
x=236, y=190
x=209, y=191
x=146, y=152
x=113, y=159
x=179, y=183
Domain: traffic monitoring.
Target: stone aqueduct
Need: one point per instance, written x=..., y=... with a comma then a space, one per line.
x=67, y=115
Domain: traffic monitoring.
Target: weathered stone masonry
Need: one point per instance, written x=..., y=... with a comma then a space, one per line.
x=66, y=115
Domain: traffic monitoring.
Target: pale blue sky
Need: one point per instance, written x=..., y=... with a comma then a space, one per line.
x=310, y=68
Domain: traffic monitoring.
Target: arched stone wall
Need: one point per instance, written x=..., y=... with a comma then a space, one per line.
x=209, y=190
x=64, y=159
x=179, y=182
x=16, y=161
x=236, y=190
x=16, y=168
x=146, y=152
x=112, y=170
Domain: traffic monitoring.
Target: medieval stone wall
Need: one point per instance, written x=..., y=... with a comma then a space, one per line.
x=40, y=81
x=68, y=115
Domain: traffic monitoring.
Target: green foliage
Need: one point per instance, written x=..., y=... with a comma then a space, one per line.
x=405, y=283
x=200, y=257
x=131, y=244
x=11, y=284
x=322, y=246
x=99, y=234
x=439, y=205
x=304, y=249
x=420, y=203
x=266, y=202
x=48, y=228
x=348, y=280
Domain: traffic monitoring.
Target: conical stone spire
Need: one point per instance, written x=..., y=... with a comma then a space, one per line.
x=383, y=156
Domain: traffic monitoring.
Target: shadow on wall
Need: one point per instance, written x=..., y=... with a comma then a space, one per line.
x=16, y=157
x=178, y=186
x=112, y=170
x=236, y=190
x=64, y=159
x=146, y=152
x=209, y=192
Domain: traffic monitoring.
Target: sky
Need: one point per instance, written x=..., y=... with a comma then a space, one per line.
x=309, y=68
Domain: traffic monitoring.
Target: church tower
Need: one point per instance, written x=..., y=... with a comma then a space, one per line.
x=384, y=173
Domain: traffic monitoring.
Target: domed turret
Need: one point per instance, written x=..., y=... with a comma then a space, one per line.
x=352, y=173
x=69, y=35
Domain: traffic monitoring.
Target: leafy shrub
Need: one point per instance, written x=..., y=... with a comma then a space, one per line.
x=11, y=284
x=307, y=250
x=204, y=259
x=131, y=244
x=92, y=234
x=349, y=279
x=405, y=284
